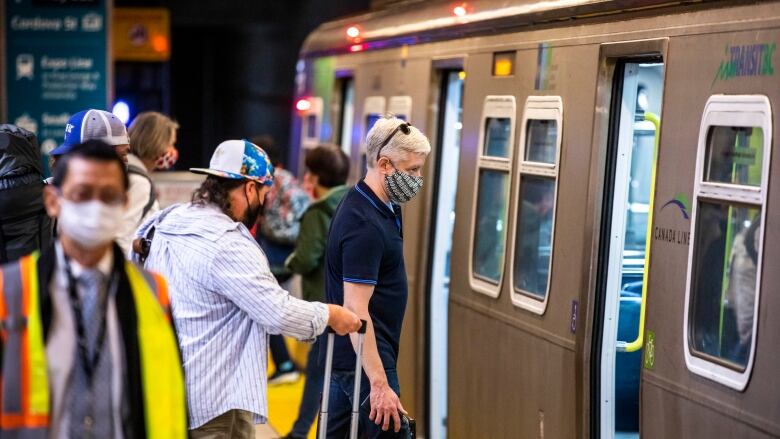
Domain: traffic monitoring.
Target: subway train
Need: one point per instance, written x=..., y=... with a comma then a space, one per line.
x=592, y=253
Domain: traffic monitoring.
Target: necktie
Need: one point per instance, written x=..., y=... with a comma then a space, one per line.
x=91, y=402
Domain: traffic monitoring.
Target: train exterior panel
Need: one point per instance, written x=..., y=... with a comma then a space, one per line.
x=557, y=129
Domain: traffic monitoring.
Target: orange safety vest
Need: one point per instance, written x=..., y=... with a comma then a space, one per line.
x=24, y=388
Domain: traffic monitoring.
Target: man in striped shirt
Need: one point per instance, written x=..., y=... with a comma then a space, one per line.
x=224, y=298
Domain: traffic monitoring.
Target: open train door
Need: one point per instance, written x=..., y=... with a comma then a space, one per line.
x=631, y=85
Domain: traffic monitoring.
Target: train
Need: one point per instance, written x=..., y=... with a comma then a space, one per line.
x=591, y=255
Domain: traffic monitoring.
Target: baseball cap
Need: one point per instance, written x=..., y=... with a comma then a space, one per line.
x=240, y=159
x=92, y=124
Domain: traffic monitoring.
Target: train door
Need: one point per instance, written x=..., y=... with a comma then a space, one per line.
x=345, y=87
x=634, y=123
x=444, y=190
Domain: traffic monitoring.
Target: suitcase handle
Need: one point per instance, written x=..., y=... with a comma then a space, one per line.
x=361, y=330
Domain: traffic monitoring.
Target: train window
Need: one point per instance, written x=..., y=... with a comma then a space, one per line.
x=734, y=155
x=489, y=232
x=540, y=144
x=725, y=258
x=497, y=131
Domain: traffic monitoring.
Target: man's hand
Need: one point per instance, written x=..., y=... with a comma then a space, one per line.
x=342, y=320
x=385, y=406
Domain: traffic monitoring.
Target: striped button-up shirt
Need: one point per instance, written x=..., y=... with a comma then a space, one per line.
x=225, y=302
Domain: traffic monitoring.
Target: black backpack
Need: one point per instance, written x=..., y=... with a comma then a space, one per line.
x=24, y=225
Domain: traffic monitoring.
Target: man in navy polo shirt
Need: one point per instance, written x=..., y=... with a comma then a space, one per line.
x=365, y=272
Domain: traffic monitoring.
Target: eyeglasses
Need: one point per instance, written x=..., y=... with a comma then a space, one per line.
x=404, y=128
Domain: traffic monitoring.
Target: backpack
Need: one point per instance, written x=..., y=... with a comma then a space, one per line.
x=24, y=225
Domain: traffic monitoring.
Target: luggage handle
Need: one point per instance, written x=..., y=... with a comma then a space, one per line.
x=322, y=425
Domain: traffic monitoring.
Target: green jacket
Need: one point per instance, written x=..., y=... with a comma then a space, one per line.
x=308, y=258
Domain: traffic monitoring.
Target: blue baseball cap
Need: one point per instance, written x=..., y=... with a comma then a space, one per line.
x=92, y=124
x=240, y=159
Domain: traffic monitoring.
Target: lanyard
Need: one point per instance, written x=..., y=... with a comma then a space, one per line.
x=88, y=364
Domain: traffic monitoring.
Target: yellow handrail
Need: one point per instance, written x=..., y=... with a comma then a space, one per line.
x=640, y=337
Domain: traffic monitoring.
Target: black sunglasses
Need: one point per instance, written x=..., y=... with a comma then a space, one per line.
x=404, y=128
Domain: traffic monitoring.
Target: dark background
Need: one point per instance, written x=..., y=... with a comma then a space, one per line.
x=232, y=68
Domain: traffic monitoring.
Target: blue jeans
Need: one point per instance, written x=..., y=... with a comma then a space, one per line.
x=340, y=407
x=310, y=402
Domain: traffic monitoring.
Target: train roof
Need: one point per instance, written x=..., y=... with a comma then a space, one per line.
x=421, y=21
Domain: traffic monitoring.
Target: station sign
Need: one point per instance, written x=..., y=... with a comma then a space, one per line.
x=141, y=34
x=56, y=63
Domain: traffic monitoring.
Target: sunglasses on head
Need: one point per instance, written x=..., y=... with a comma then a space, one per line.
x=404, y=128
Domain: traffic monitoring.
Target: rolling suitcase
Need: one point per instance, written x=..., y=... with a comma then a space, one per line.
x=322, y=425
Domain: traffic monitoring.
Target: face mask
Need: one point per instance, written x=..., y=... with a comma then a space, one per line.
x=90, y=223
x=402, y=187
x=167, y=160
x=250, y=217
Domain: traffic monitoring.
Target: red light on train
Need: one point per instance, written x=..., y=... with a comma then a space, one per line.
x=356, y=47
x=303, y=104
x=460, y=10
x=353, y=32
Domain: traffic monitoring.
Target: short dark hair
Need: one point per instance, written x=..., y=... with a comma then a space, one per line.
x=267, y=142
x=95, y=150
x=216, y=190
x=329, y=163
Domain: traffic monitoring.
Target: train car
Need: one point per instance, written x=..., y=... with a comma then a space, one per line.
x=592, y=253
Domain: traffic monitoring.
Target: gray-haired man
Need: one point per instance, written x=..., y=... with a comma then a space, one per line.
x=365, y=272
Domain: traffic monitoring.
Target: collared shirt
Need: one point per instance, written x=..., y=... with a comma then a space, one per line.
x=365, y=246
x=61, y=345
x=225, y=302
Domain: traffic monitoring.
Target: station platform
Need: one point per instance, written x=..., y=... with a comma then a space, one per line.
x=284, y=399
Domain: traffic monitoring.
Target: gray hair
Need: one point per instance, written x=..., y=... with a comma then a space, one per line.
x=399, y=146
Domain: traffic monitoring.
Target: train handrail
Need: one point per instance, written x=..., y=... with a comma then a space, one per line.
x=636, y=345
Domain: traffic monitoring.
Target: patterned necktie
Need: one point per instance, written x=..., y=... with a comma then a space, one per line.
x=91, y=402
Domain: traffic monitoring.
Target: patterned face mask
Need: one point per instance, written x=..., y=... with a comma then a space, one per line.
x=402, y=187
x=167, y=160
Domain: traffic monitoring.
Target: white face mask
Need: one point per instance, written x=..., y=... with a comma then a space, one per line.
x=90, y=223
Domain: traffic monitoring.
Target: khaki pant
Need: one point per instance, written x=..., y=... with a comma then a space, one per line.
x=233, y=424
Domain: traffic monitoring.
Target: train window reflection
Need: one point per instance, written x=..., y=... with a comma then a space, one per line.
x=723, y=290
x=734, y=155
x=534, y=236
x=542, y=140
x=497, y=132
x=489, y=242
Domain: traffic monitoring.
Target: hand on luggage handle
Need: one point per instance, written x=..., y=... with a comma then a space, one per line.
x=361, y=330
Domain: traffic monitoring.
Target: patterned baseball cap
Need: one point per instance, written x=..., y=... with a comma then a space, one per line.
x=92, y=124
x=240, y=159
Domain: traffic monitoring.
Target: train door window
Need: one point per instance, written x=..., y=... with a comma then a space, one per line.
x=488, y=240
x=725, y=258
x=635, y=125
x=373, y=110
x=540, y=143
x=312, y=123
x=400, y=107
x=346, y=114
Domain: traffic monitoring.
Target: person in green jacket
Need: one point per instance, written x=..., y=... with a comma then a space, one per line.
x=327, y=170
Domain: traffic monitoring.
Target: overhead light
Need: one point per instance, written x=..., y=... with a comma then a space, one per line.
x=122, y=111
x=303, y=104
x=460, y=10
x=353, y=32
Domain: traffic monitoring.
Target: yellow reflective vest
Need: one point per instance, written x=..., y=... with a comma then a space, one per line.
x=155, y=382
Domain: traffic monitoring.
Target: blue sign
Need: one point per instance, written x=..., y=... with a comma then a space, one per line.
x=57, y=63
